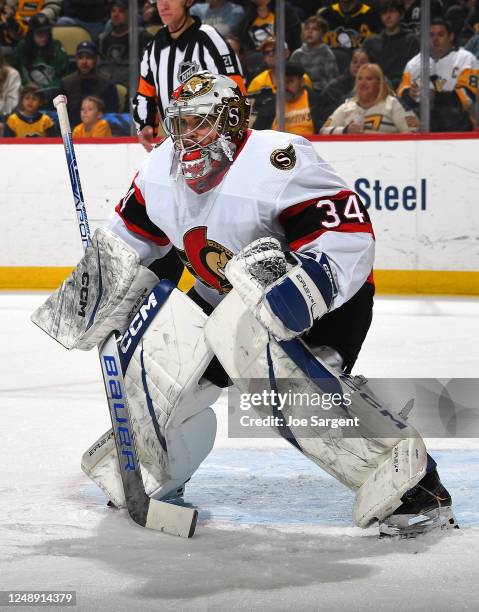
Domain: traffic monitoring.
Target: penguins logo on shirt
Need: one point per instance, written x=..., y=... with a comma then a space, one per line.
x=207, y=259
x=283, y=159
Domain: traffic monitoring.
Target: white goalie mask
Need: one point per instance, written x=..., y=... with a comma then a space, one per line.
x=207, y=119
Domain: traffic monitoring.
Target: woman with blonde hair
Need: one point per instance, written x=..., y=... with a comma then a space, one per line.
x=372, y=109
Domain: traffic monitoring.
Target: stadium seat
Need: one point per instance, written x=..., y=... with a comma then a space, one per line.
x=70, y=37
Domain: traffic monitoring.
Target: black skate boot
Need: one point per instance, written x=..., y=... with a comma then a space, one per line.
x=425, y=507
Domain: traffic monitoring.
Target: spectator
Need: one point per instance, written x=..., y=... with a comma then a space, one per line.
x=88, y=14
x=11, y=29
x=114, y=44
x=412, y=17
x=473, y=45
x=10, y=83
x=342, y=87
x=308, y=8
x=350, y=23
x=180, y=48
x=86, y=81
x=454, y=75
x=29, y=121
x=301, y=104
x=396, y=45
x=259, y=25
x=373, y=108
x=26, y=9
x=457, y=15
x=316, y=58
x=149, y=14
x=472, y=20
x=267, y=78
x=40, y=59
x=225, y=16
x=92, y=125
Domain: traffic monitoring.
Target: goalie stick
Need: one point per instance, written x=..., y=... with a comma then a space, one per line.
x=147, y=512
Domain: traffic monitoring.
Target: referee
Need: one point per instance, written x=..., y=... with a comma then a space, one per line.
x=180, y=48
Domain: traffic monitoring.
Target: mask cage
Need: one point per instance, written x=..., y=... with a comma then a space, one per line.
x=200, y=116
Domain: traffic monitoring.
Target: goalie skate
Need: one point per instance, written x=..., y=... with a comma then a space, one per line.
x=426, y=507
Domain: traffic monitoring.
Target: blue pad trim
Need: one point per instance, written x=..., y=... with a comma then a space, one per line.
x=141, y=321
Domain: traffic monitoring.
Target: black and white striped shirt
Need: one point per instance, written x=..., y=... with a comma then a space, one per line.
x=167, y=63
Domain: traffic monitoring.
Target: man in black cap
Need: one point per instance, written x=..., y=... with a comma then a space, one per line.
x=86, y=81
x=301, y=112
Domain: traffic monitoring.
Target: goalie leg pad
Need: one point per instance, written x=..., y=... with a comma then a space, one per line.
x=247, y=353
x=381, y=494
x=174, y=427
x=100, y=296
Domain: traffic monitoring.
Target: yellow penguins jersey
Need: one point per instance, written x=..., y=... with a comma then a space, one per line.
x=387, y=116
x=29, y=127
x=263, y=80
x=261, y=29
x=349, y=30
x=276, y=186
x=101, y=129
x=27, y=8
x=297, y=117
x=457, y=71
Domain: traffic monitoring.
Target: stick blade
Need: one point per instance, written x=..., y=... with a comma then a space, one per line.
x=172, y=519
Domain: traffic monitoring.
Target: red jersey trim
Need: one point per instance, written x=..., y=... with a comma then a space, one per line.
x=138, y=195
x=137, y=230
x=364, y=228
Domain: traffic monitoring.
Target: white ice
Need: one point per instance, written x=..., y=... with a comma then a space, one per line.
x=275, y=531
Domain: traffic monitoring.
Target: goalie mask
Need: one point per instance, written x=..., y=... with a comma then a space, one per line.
x=207, y=119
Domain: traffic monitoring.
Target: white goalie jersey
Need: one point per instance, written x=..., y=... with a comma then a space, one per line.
x=277, y=186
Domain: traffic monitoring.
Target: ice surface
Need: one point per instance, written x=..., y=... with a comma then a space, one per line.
x=275, y=531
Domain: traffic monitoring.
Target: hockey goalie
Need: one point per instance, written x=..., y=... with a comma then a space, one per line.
x=282, y=254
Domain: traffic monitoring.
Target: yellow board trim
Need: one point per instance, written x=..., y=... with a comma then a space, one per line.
x=41, y=278
x=16, y=278
x=424, y=282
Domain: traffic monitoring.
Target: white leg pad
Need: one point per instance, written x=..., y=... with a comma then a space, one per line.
x=100, y=463
x=381, y=494
x=174, y=426
x=387, y=452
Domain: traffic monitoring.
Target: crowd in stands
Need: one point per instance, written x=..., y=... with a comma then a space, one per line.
x=351, y=66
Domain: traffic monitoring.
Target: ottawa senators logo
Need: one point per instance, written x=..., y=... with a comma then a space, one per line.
x=194, y=87
x=283, y=159
x=206, y=259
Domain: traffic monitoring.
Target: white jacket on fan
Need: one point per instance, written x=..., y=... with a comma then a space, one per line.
x=10, y=91
x=387, y=117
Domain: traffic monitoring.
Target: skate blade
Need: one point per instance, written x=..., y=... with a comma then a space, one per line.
x=405, y=526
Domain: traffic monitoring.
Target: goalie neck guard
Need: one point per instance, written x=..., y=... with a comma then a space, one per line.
x=207, y=119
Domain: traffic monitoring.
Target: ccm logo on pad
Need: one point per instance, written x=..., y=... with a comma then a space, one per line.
x=137, y=322
x=85, y=281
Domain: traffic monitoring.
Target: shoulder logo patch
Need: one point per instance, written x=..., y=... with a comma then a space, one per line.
x=283, y=159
